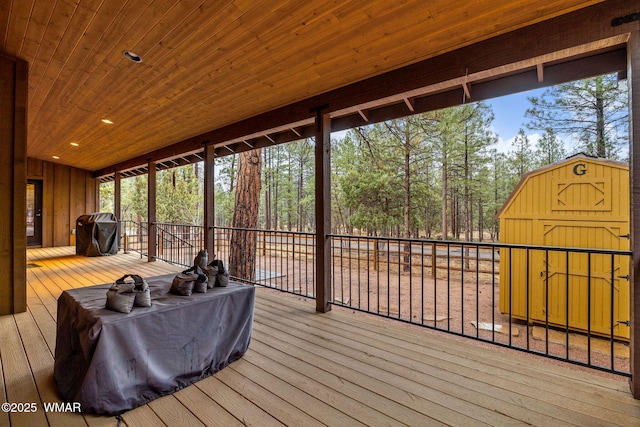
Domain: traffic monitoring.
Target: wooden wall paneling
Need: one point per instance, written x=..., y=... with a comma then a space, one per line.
x=34, y=168
x=77, y=201
x=82, y=195
x=48, y=212
x=61, y=200
x=90, y=193
x=67, y=193
x=73, y=200
x=79, y=194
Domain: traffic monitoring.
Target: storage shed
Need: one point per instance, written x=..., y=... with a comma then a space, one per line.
x=580, y=202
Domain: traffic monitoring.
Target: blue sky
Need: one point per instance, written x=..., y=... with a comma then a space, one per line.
x=509, y=117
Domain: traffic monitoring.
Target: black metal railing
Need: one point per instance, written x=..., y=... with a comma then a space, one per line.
x=570, y=304
x=284, y=259
x=175, y=243
x=134, y=236
x=178, y=243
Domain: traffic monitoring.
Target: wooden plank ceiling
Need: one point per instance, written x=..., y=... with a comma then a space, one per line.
x=208, y=64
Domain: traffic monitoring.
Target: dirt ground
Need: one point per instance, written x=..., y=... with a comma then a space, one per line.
x=454, y=302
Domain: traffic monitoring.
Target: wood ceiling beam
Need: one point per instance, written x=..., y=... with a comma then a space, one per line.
x=605, y=62
x=504, y=54
x=467, y=91
x=363, y=114
x=589, y=66
x=410, y=103
x=540, y=70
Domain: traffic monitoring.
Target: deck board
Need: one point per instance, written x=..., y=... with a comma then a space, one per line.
x=304, y=368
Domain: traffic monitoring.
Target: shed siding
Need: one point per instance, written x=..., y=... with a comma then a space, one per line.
x=581, y=203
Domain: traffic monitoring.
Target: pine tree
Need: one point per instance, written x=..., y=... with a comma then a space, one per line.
x=242, y=250
x=549, y=148
x=593, y=111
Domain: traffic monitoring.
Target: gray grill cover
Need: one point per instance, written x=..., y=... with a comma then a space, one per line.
x=111, y=362
x=97, y=234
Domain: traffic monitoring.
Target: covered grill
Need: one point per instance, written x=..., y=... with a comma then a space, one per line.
x=97, y=234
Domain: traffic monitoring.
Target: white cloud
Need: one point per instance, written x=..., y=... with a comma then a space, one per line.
x=506, y=145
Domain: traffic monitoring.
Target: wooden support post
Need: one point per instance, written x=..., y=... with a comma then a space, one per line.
x=117, y=202
x=323, y=210
x=151, y=213
x=117, y=196
x=633, y=75
x=13, y=181
x=209, y=199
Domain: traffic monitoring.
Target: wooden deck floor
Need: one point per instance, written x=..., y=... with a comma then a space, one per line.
x=306, y=369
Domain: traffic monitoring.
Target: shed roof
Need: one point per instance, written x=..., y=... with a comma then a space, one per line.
x=550, y=167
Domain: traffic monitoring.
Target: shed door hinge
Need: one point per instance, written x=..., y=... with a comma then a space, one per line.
x=625, y=19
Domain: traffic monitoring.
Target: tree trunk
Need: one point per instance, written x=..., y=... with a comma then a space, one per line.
x=267, y=193
x=242, y=250
x=480, y=220
x=300, y=194
x=407, y=195
x=445, y=196
x=601, y=146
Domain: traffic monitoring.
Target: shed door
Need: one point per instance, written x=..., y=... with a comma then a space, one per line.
x=579, y=276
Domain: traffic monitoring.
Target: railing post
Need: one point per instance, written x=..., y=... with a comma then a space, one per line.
x=433, y=260
x=375, y=255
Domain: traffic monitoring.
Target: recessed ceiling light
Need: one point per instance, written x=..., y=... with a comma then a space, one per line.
x=74, y=144
x=55, y=157
x=132, y=56
x=107, y=121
